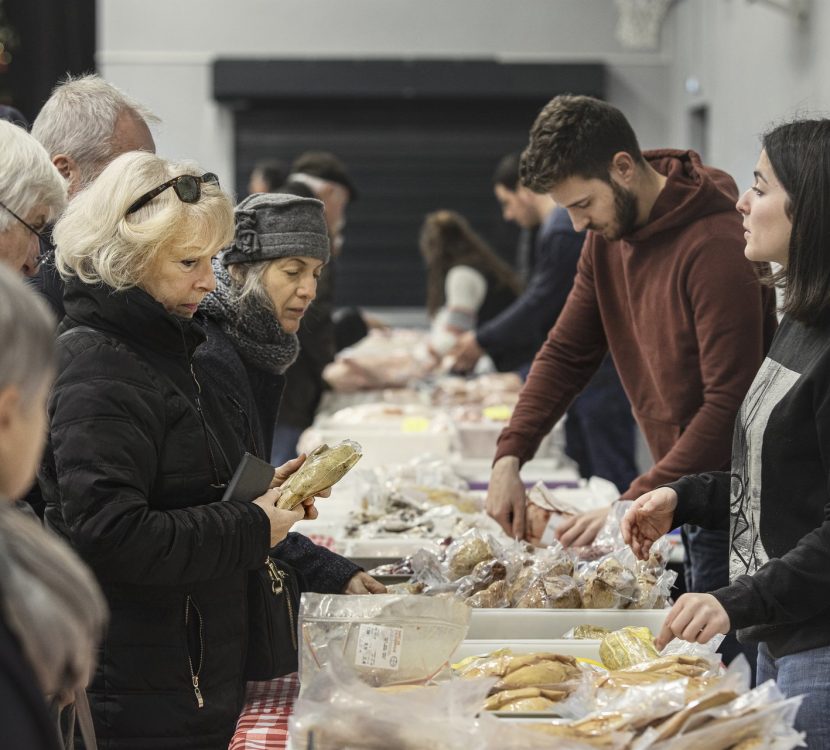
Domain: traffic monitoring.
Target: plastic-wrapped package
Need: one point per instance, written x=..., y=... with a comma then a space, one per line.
x=716, y=723
x=627, y=646
x=389, y=639
x=468, y=551
x=337, y=710
x=324, y=467
x=608, y=583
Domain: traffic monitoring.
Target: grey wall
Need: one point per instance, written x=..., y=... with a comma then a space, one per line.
x=161, y=51
x=756, y=66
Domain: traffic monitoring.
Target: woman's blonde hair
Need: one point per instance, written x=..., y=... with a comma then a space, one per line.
x=99, y=243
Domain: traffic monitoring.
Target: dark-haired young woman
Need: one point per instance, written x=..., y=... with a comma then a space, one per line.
x=467, y=283
x=776, y=499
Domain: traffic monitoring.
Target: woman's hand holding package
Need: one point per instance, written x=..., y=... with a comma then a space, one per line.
x=281, y=474
x=696, y=618
x=363, y=583
x=650, y=517
x=282, y=520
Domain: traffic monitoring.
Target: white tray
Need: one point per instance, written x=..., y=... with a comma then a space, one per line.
x=546, y=624
x=586, y=649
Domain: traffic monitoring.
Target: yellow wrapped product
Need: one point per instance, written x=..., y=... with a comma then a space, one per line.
x=626, y=647
x=324, y=467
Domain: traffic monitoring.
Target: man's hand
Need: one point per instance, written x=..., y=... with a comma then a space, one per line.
x=363, y=583
x=581, y=530
x=651, y=516
x=696, y=618
x=466, y=352
x=506, y=496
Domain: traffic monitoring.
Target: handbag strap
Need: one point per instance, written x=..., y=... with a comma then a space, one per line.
x=84, y=717
x=210, y=433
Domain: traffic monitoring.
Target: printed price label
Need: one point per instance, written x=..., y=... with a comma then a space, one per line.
x=415, y=424
x=379, y=647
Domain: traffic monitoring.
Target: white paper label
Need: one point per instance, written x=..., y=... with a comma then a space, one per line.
x=379, y=647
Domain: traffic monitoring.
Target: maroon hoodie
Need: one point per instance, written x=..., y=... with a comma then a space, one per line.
x=684, y=316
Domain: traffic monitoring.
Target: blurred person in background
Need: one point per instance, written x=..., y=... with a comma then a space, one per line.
x=467, y=283
x=52, y=613
x=267, y=176
x=321, y=175
x=265, y=282
x=600, y=434
x=138, y=456
x=84, y=125
x=32, y=194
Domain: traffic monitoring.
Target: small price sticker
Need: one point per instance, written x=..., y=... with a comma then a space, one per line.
x=379, y=647
x=500, y=413
x=415, y=424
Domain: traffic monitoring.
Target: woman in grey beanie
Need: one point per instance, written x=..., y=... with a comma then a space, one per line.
x=265, y=283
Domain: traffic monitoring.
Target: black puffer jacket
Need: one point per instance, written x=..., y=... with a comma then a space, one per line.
x=127, y=477
x=252, y=399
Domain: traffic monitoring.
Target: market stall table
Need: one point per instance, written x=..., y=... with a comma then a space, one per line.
x=263, y=723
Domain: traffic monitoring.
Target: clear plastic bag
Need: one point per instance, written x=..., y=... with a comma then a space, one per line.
x=388, y=639
x=338, y=711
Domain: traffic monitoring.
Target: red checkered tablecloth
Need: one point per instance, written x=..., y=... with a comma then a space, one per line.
x=263, y=724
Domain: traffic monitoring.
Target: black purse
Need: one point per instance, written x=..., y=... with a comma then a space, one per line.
x=273, y=609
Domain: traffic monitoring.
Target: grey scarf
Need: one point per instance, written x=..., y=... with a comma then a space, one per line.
x=51, y=603
x=254, y=329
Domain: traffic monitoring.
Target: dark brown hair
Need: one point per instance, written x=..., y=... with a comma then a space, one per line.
x=447, y=240
x=799, y=153
x=575, y=136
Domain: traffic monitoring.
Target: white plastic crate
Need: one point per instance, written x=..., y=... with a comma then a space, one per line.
x=585, y=649
x=546, y=624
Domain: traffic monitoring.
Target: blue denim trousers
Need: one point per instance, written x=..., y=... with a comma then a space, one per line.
x=806, y=673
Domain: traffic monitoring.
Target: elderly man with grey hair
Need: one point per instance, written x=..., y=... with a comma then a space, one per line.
x=32, y=194
x=84, y=125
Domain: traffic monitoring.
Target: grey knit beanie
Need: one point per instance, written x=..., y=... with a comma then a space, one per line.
x=278, y=225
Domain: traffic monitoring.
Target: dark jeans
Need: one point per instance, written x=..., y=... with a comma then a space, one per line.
x=600, y=432
x=707, y=568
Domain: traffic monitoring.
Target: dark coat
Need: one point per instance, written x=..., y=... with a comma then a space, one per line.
x=129, y=478
x=252, y=400
x=24, y=720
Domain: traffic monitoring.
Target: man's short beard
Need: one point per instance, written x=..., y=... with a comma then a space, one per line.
x=625, y=212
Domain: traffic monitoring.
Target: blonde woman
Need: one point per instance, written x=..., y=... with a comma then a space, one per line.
x=138, y=456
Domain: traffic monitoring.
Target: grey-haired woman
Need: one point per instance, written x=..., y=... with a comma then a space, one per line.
x=265, y=283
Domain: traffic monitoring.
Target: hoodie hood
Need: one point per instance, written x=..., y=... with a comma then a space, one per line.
x=692, y=191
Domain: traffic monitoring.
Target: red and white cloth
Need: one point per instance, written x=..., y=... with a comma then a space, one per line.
x=263, y=723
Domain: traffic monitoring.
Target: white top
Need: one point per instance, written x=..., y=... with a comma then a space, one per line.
x=464, y=292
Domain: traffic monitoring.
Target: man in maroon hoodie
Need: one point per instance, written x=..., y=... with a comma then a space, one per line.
x=662, y=283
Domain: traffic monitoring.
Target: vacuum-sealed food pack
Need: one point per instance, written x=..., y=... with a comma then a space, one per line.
x=389, y=639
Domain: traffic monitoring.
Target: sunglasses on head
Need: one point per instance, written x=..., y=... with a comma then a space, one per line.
x=188, y=188
x=44, y=240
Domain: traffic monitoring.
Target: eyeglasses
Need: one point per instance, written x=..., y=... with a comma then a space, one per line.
x=188, y=188
x=44, y=240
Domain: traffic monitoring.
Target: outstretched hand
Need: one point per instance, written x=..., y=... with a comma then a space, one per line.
x=363, y=583
x=696, y=618
x=650, y=517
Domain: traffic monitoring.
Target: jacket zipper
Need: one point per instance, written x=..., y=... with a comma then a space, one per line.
x=278, y=588
x=194, y=674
